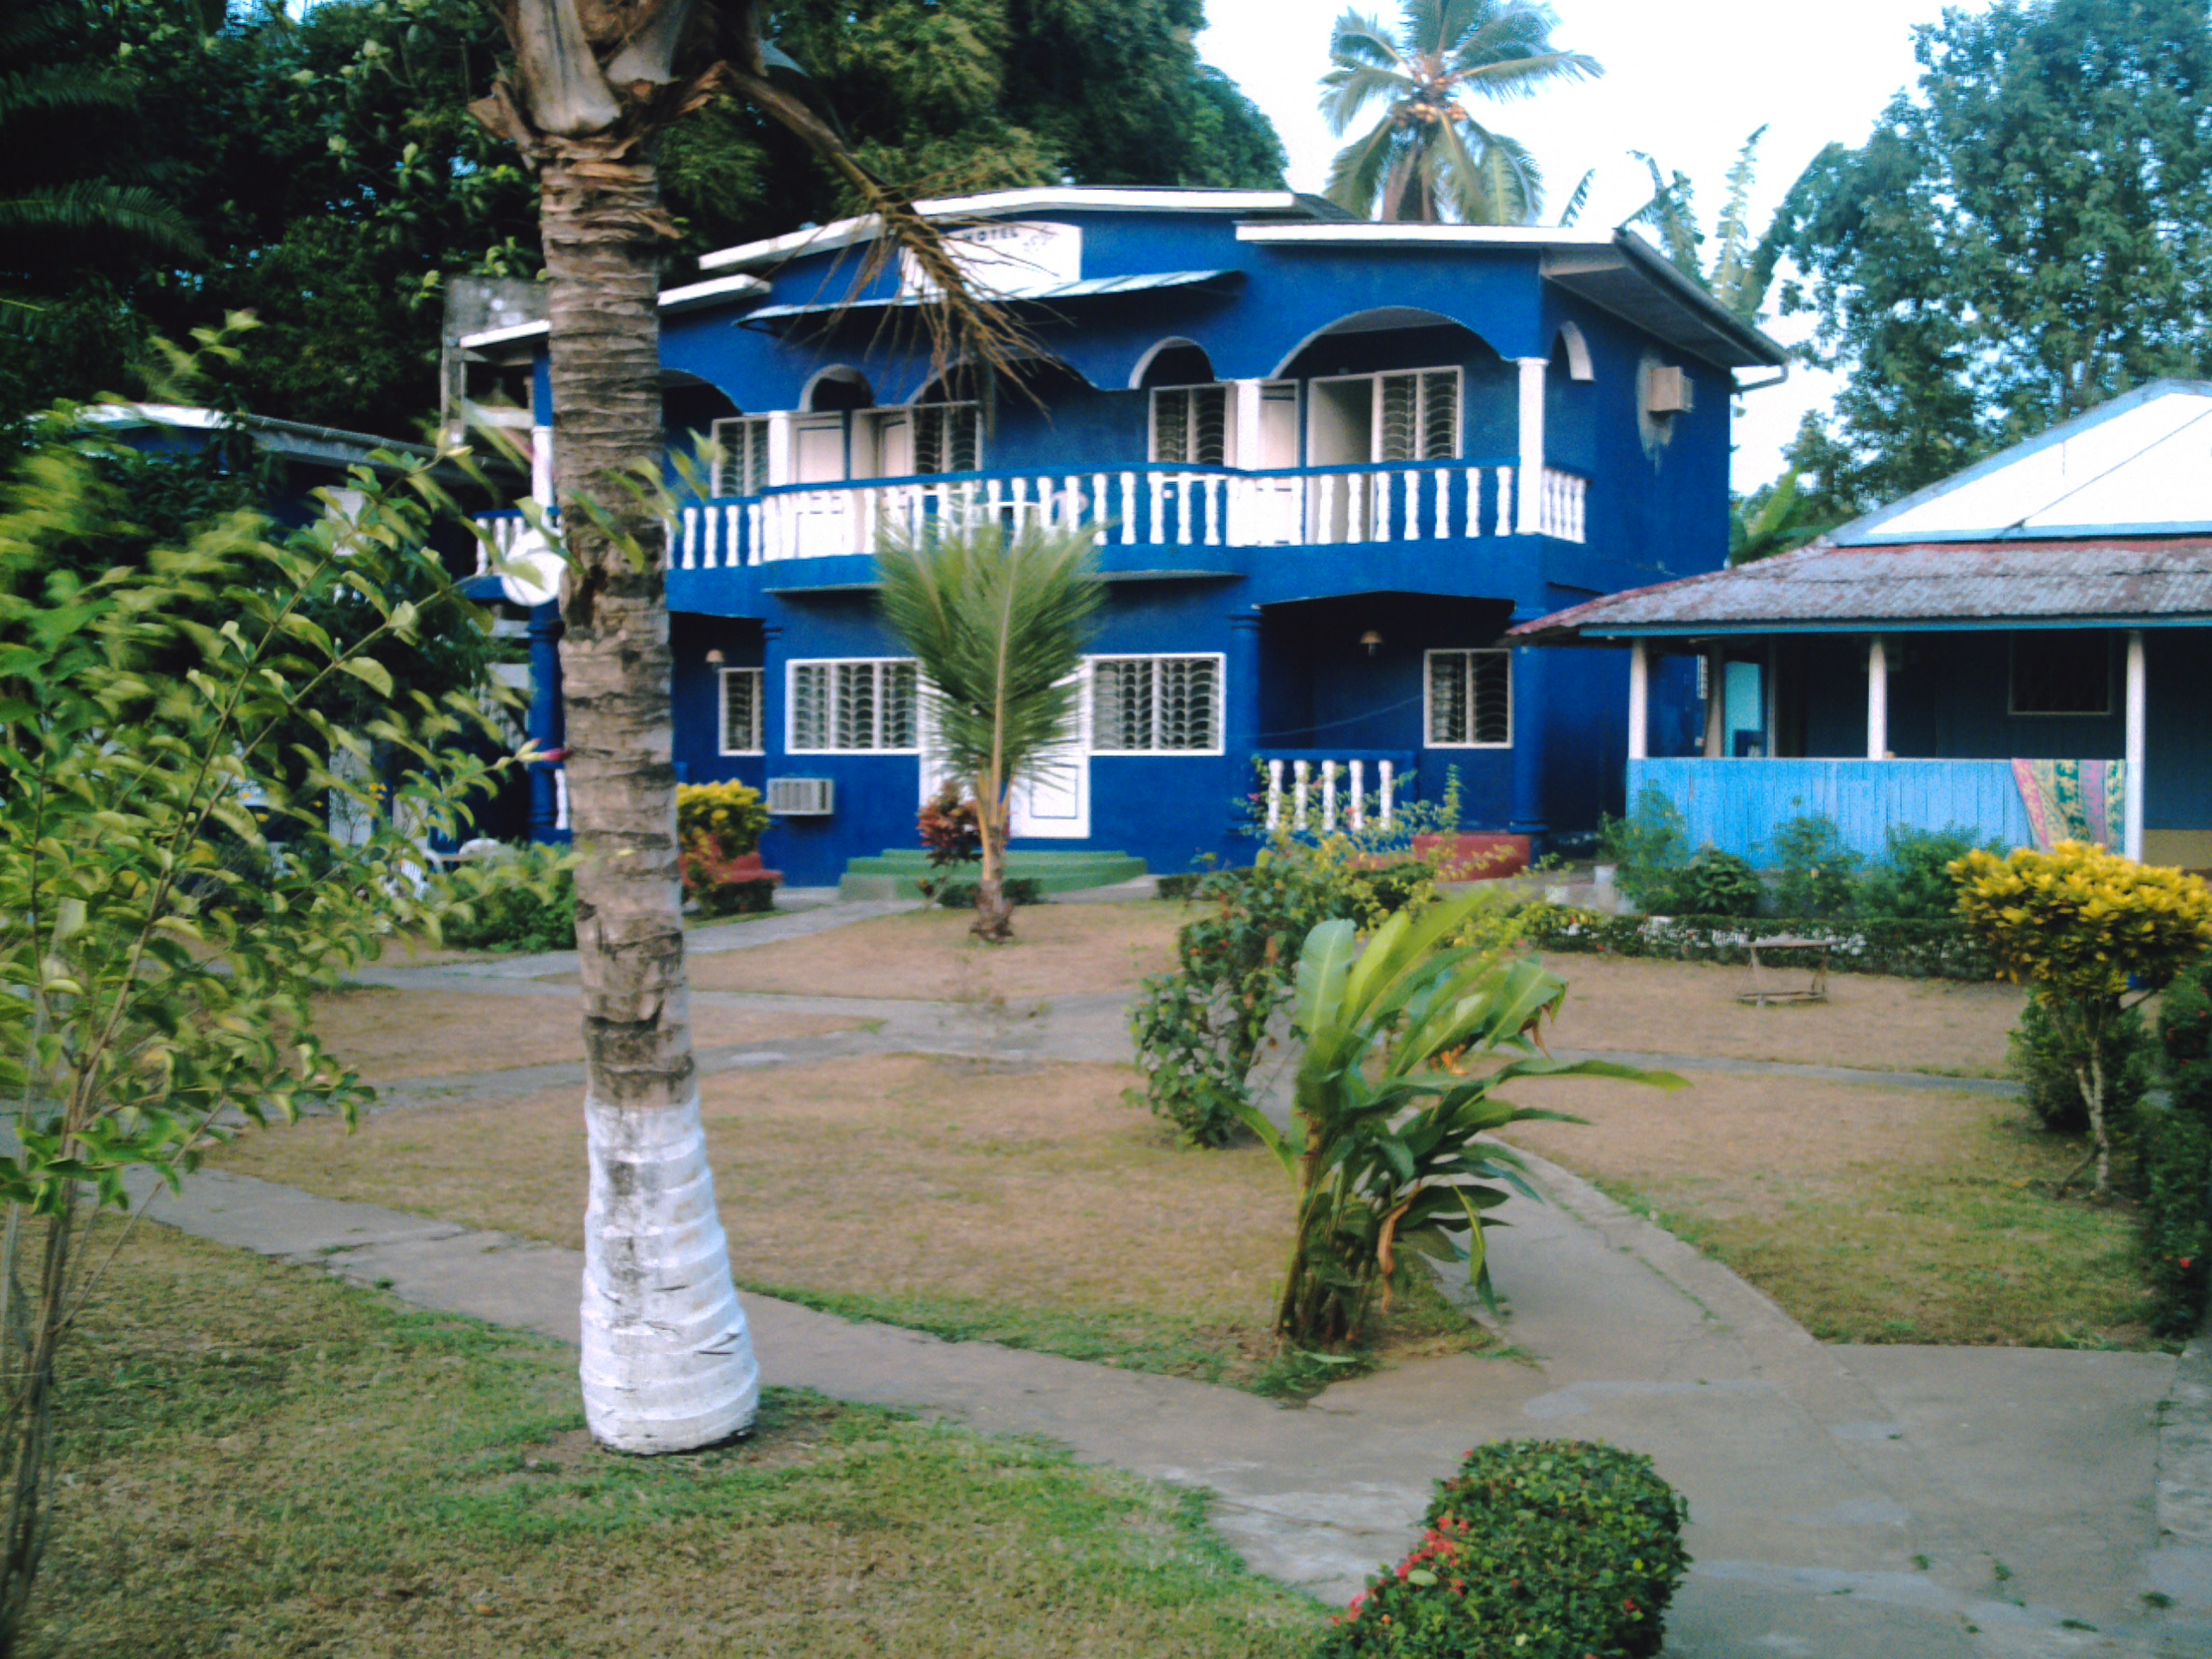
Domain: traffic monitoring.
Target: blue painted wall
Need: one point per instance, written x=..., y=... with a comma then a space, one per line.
x=1736, y=805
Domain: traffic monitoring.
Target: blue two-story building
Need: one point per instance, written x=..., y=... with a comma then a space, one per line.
x=1328, y=463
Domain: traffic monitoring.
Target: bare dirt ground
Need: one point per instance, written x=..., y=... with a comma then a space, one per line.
x=1870, y=1214
x=1059, y=950
x=388, y=1035
x=1871, y=1022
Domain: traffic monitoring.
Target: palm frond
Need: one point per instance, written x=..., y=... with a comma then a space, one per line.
x=1488, y=178
x=1362, y=42
x=1735, y=262
x=1345, y=92
x=92, y=208
x=1422, y=25
x=1671, y=212
x=1506, y=79
x=60, y=89
x=1357, y=173
x=1577, y=200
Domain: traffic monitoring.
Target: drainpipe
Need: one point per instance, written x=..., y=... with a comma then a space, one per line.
x=1529, y=495
x=1877, y=698
x=2138, y=741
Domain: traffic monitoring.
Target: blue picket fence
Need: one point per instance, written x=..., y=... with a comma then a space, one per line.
x=1736, y=805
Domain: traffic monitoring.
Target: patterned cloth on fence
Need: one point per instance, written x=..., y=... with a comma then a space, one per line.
x=2073, y=800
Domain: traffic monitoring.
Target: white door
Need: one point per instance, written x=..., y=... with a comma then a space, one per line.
x=1053, y=801
x=823, y=524
x=1277, y=504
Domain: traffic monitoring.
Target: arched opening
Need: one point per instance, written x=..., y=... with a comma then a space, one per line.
x=1401, y=384
x=701, y=422
x=1174, y=362
x=1188, y=410
x=835, y=389
x=1571, y=354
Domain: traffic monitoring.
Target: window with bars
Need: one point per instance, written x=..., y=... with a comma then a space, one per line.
x=741, y=468
x=857, y=706
x=2062, y=674
x=1156, y=704
x=741, y=711
x=1470, y=699
x=1190, y=425
x=948, y=437
x=1418, y=418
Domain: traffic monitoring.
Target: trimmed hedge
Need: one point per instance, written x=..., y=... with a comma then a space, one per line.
x=516, y=918
x=752, y=898
x=961, y=895
x=2174, y=1138
x=1536, y=1549
x=1911, y=950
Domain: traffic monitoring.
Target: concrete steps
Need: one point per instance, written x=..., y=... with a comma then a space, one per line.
x=900, y=873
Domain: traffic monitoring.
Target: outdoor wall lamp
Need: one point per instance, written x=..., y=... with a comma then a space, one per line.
x=1372, y=640
x=714, y=659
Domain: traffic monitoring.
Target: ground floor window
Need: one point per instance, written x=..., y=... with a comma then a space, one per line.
x=2062, y=674
x=861, y=705
x=1470, y=699
x=1156, y=703
x=740, y=711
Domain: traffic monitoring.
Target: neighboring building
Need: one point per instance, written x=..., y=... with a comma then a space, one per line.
x=2019, y=649
x=1331, y=463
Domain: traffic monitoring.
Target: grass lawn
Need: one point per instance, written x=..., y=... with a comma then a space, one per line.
x=1870, y=1214
x=1028, y=1203
x=258, y=1461
x=1059, y=950
x=1870, y=1022
x=388, y=1036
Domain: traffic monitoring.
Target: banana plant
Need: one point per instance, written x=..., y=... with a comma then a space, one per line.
x=1408, y=1042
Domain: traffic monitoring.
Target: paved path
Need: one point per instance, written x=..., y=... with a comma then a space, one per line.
x=1873, y=1502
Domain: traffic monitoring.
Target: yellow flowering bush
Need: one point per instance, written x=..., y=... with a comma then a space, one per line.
x=2093, y=934
x=716, y=822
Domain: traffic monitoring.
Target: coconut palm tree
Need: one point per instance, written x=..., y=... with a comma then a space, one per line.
x=667, y=1363
x=997, y=626
x=1428, y=158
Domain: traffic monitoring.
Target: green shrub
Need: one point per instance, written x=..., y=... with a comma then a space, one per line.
x=961, y=895
x=1715, y=883
x=1910, y=950
x=1913, y=882
x=2174, y=1142
x=1180, y=887
x=717, y=823
x=2050, y=1072
x=1649, y=847
x=755, y=897
x=1389, y=888
x=1818, y=872
x=1536, y=1549
x=536, y=910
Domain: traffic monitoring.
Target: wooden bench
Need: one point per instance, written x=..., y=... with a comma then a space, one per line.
x=1761, y=994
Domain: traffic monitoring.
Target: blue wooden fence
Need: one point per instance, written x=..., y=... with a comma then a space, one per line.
x=1735, y=804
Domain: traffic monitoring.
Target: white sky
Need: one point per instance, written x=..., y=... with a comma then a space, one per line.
x=1687, y=82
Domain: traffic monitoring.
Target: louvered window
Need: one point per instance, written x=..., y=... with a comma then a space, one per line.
x=741, y=467
x=1418, y=416
x=1470, y=699
x=948, y=438
x=1190, y=425
x=1163, y=704
x=740, y=711
x=858, y=706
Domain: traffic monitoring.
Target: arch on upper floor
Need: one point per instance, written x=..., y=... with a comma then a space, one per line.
x=1174, y=361
x=839, y=386
x=1570, y=341
x=1378, y=320
x=967, y=381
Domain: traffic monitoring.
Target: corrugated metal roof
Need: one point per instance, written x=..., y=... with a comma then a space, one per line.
x=1094, y=286
x=1845, y=589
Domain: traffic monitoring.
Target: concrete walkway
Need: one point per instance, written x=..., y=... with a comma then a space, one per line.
x=1873, y=1502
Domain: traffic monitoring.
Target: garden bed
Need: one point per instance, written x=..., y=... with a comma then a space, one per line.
x=1057, y=951
x=258, y=1459
x=1030, y=1206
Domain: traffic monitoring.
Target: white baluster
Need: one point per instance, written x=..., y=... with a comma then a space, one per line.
x=994, y=498
x=1358, y=789
x=1504, y=501
x=1354, y=506
x=1071, y=504
x=1388, y=778
x=1300, y=770
x=1328, y=513
x=690, y=538
x=1474, y=502
x=1275, y=795
x=1183, y=482
x=1099, y=510
x=1159, y=509
x=1216, y=488
x=1328, y=797
x=1129, y=509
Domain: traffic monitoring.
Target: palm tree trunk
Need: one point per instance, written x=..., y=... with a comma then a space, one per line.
x=993, y=916
x=667, y=1364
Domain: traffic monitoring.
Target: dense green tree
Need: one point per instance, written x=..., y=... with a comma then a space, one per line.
x=1428, y=158
x=2022, y=238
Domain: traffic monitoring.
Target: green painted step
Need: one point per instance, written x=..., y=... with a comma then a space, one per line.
x=899, y=872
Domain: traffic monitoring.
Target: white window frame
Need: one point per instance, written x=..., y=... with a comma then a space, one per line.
x=790, y=702
x=1428, y=690
x=2012, y=710
x=1375, y=378
x=1221, y=389
x=760, y=733
x=1220, y=661
x=915, y=414
x=746, y=429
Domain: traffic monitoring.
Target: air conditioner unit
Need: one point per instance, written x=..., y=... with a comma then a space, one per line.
x=802, y=797
x=1667, y=390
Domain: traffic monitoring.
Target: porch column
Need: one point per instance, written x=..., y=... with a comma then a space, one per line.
x=1716, y=704
x=780, y=448
x=1525, y=713
x=1771, y=702
x=1877, y=698
x=1528, y=488
x=541, y=465
x=2138, y=741
x=1244, y=434
x=1639, y=700
x=1240, y=703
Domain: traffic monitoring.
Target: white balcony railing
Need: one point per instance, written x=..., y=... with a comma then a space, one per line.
x=1307, y=795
